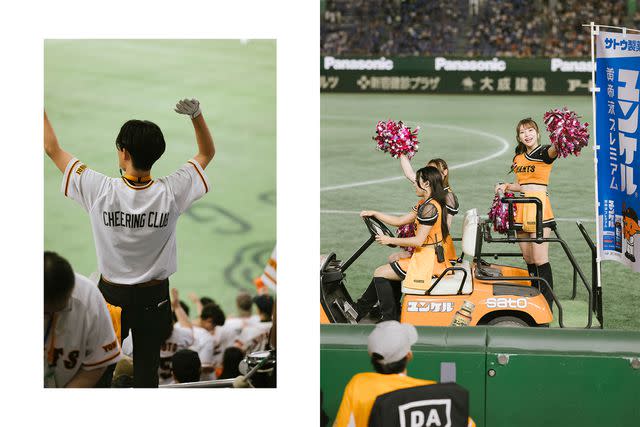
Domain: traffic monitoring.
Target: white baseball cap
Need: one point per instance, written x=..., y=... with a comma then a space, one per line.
x=392, y=340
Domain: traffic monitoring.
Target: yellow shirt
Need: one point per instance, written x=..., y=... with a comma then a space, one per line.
x=361, y=393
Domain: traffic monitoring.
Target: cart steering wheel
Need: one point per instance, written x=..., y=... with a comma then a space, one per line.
x=377, y=227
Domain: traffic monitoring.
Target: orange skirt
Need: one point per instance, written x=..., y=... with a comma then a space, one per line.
x=525, y=216
x=400, y=266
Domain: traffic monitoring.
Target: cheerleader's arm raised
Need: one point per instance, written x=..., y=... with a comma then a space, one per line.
x=406, y=168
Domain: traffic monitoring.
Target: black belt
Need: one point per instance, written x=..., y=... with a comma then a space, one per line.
x=150, y=283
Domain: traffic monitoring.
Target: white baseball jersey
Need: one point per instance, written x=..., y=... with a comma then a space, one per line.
x=255, y=337
x=134, y=227
x=180, y=338
x=211, y=346
x=80, y=336
x=237, y=324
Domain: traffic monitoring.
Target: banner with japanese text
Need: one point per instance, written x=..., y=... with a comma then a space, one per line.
x=617, y=133
x=500, y=76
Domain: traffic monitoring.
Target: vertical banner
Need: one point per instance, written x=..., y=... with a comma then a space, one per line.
x=617, y=134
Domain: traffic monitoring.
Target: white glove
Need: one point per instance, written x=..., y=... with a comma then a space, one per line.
x=188, y=106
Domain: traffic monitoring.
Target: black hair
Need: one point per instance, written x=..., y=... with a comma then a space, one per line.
x=186, y=366
x=432, y=175
x=265, y=305
x=58, y=277
x=214, y=312
x=388, y=368
x=206, y=300
x=230, y=361
x=144, y=142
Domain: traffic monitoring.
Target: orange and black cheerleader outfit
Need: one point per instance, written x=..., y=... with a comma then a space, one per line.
x=533, y=168
x=429, y=213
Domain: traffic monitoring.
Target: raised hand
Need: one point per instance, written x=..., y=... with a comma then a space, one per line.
x=191, y=107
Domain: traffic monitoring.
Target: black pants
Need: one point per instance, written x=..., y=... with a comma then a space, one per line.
x=147, y=312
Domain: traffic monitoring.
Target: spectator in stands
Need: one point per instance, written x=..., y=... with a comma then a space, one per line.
x=211, y=339
x=244, y=316
x=264, y=304
x=389, y=347
x=255, y=337
x=230, y=361
x=198, y=302
x=79, y=339
x=473, y=28
x=186, y=366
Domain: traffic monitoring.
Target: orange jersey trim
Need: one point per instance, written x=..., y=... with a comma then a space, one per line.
x=138, y=187
x=206, y=188
x=66, y=186
x=270, y=278
x=103, y=361
x=272, y=263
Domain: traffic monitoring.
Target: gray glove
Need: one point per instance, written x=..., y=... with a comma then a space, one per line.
x=190, y=107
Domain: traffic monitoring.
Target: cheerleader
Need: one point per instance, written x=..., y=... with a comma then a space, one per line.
x=532, y=166
x=451, y=204
x=431, y=230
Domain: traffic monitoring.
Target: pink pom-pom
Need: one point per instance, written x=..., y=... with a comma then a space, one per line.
x=499, y=213
x=407, y=230
x=395, y=138
x=566, y=132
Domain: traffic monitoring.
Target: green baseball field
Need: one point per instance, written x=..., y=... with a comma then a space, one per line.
x=93, y=86
x=476, y=136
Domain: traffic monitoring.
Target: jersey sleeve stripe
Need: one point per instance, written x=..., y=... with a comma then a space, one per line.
x=66, y=186
x=428, y=219
x=88, y=365
x=206, y=188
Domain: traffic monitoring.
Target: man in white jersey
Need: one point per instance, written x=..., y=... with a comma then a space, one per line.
x=79, y=340
x=133, y=219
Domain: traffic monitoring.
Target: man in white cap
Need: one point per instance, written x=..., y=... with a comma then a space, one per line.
x=389, y=346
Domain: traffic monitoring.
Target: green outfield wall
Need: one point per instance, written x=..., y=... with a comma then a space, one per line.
x=515, y=376
x=551, y=76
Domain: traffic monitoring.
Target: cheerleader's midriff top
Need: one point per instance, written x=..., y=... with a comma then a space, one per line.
x=534, y=167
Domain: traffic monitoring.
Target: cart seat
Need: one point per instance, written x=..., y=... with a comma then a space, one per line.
x=470, y=232
x=448, y=285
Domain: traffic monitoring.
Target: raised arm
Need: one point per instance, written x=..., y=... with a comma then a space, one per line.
x=183, y=319
x=396, y=221
x=206, y=149
x=52, y=148
x=406, y=168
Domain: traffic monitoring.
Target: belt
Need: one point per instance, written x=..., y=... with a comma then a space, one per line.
x=148, y=284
